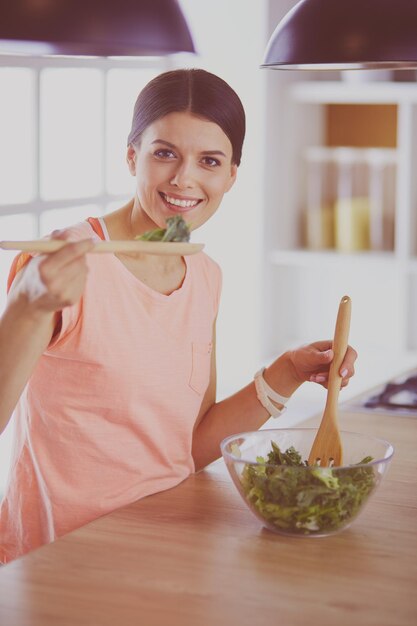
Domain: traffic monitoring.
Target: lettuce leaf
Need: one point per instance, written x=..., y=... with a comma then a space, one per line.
x=301, y=500
x=176, y=230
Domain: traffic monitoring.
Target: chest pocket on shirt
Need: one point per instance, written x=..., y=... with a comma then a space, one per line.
x=200, y=366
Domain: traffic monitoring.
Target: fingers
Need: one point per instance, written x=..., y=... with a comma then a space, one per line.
x=312, y=362
x=67, y=254
x=323, y=378
x=347, y=369
x=60, y=234
x=322, y=346
x=66, y=262
x=320, y=378
x=65, y=287
x=325, y=354
x=59, y=277
x=322, y=356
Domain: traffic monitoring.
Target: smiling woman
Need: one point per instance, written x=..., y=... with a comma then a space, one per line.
x=127, y=342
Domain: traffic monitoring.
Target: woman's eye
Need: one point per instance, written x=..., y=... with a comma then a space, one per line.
x=164, y=154
x=211, y=161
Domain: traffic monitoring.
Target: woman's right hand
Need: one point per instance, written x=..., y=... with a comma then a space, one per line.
x=54, y=281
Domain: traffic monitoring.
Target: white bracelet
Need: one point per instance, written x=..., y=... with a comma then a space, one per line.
x=265, y=394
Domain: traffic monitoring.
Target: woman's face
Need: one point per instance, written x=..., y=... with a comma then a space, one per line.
x=183, y=165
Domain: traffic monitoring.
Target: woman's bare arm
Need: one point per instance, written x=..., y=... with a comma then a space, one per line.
x=24, y=335
x=28, y=322
x=243, y=412
x=240, y=412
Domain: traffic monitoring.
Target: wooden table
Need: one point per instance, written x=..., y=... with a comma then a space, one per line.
x=196, y=556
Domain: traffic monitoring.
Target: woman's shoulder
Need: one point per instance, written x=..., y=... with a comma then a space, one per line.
x=207, y=271
x=206, y=263
x=209, y=277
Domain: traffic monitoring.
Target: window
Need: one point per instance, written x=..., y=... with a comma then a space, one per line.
x=63, y=128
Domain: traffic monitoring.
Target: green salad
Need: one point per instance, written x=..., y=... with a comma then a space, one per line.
x=305, y=502
x=176, y=230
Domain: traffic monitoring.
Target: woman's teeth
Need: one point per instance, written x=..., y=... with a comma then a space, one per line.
x=181, y=203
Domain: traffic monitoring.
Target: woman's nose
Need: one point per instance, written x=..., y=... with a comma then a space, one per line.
x=183, y=176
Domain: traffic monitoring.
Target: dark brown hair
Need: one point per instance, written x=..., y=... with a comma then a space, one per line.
x=195, y=91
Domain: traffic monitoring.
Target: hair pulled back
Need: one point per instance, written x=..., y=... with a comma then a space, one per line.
x=194, y=91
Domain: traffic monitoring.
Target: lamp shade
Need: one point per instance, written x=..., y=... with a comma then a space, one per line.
x=94, y=27
x=345, y=34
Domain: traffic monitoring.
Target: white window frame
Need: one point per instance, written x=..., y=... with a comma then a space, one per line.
x=36, y=206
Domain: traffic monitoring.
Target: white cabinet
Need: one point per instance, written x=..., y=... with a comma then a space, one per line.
x=303, y=286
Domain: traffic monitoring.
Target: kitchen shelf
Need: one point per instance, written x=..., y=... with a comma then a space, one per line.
x=302, y=287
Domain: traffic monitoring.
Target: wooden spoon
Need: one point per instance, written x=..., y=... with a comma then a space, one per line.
x=168, y=248
x=327, y=445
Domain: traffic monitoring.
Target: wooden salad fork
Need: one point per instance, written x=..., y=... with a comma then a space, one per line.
x=327, y=446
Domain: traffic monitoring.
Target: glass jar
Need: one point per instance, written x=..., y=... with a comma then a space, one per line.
x=321, y=194
x=382, y=165
x=352, y=209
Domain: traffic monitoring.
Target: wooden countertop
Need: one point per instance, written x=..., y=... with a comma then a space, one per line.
x=196, y=556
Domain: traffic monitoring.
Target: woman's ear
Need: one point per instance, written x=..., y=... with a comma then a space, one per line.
x=131, y=159
x=233, y=174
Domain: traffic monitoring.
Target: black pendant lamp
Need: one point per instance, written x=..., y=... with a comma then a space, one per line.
x=93, y=27
x=345, y=34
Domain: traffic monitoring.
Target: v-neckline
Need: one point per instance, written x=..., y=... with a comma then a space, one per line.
x=136, y=279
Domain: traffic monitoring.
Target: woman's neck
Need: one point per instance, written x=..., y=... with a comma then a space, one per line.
x=128, y=222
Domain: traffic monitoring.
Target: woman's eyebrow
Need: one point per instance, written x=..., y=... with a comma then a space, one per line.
x=171, y=145
x=214, y=152
x=166, y=143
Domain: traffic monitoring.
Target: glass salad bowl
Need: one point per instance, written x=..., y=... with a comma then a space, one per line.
x=269, y=470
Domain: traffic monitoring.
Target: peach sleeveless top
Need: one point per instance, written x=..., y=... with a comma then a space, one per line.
x=108, y=414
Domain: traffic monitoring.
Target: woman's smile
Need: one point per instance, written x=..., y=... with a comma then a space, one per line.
x=179, y=204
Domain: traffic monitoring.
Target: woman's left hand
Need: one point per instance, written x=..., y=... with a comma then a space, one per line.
x=312, y=363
